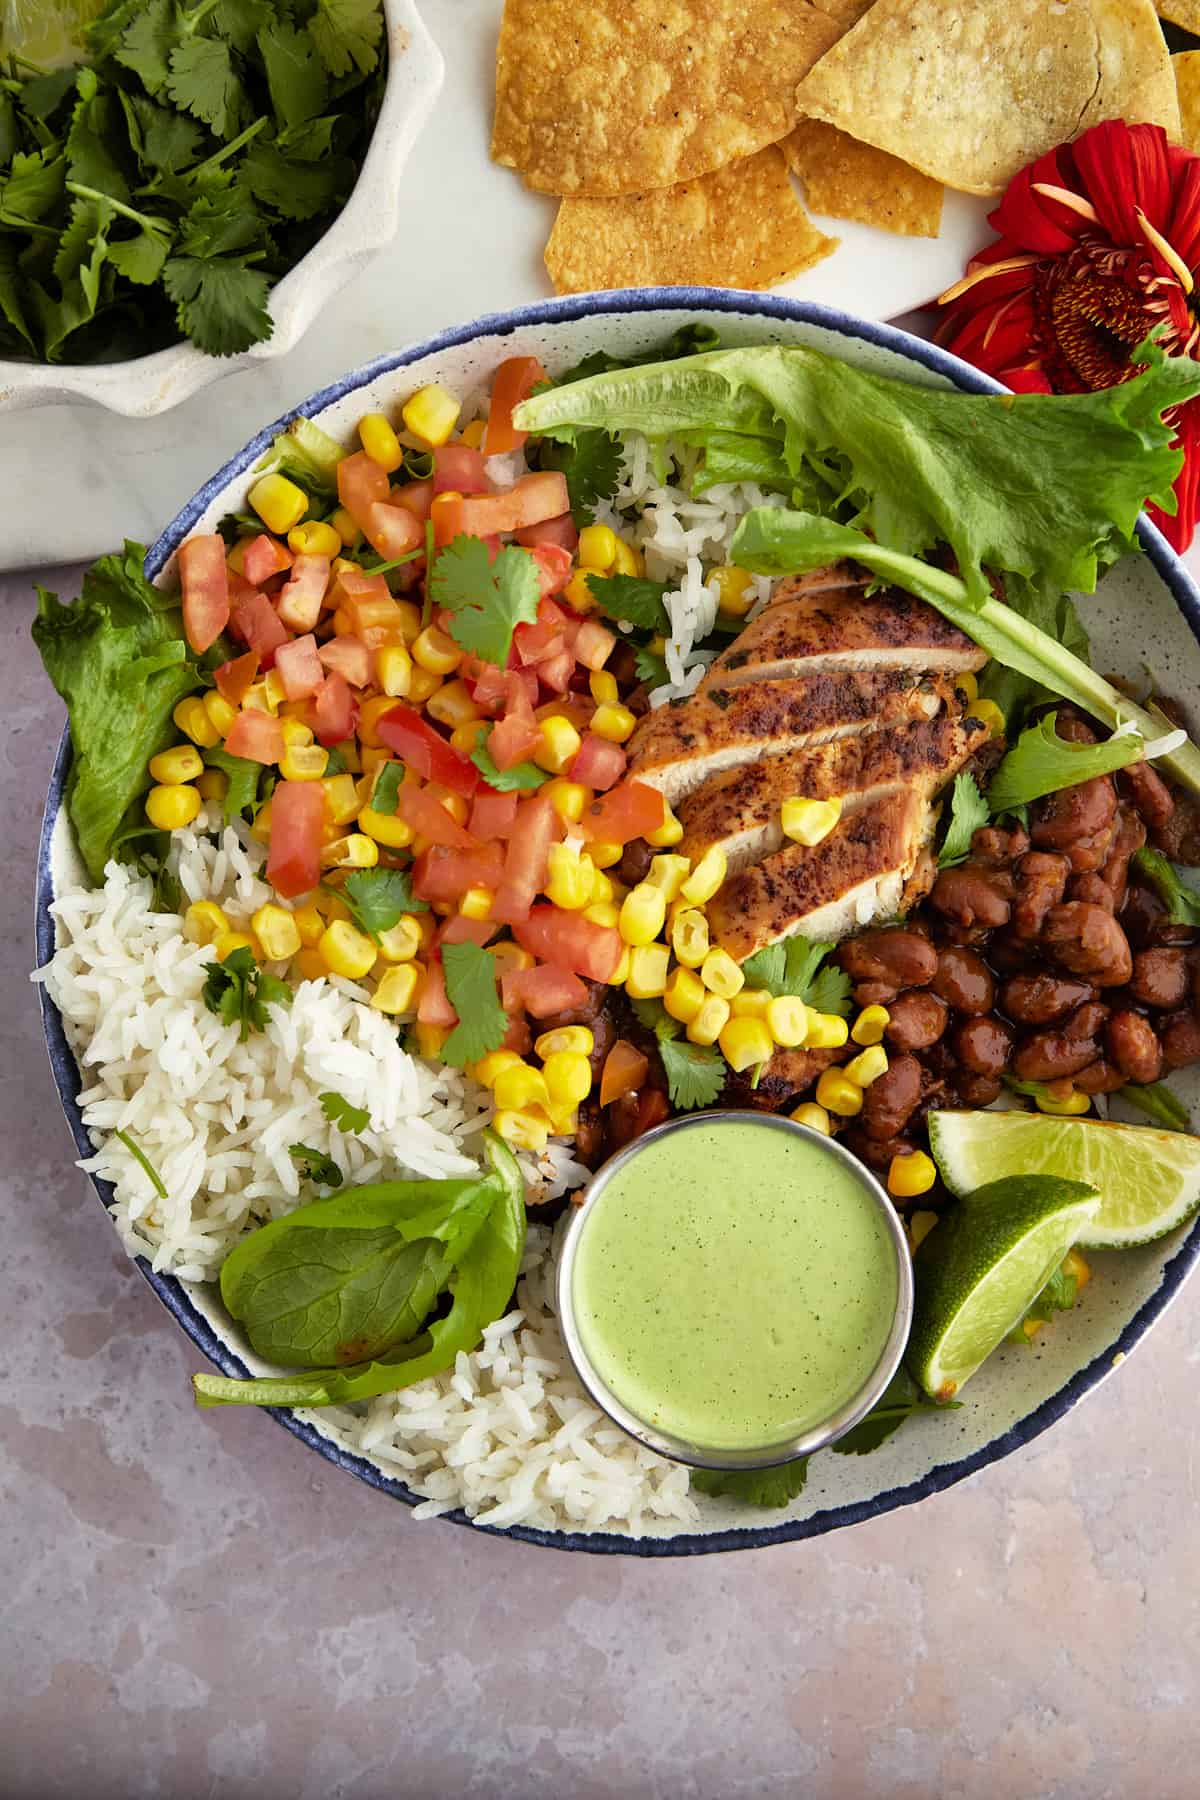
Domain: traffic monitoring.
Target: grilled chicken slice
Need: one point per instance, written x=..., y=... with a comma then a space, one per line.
x=740, y=810
x=856, y=874
x=802, y=633
x=679, y=746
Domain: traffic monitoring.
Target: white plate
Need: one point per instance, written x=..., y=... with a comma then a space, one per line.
x=470, y=240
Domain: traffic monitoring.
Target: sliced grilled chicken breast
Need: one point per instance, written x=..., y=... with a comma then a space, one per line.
x=857, y=874
x=679, y=746
x=805, y=633
x=740, y=810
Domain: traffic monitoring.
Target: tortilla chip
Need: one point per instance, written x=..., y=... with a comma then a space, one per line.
x=849, y=180
x=604, y=97
x=1187, y=82
x=848, y=12
x=737, y=227
x=969, y=91
x=1181, y=12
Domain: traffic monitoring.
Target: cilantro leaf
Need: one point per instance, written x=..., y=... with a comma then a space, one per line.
x=347, y=34
x=1059, y=1294
x=757, y=1487
x=385, y=796
x=899, y=1401
x=829, y=991
x=471, y=989
x=244, y=776
x=651, y=668
x=33, y=186
x=968, y=811
x=378, y=898
x=203, y=81
x=220, y=303
x=297, y=189
x=488, y=599
x=239, y=992
x=631, y=599
x=146, y=43
x=296, y=79
x=655, y=1017
x=794, y=967
x=695, y=1072
x=139, y=259
x=521, y=778
x=591, y=465
x=339, y=1112
x=314, y=1165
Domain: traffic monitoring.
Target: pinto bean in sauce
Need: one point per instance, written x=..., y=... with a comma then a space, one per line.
x=983, y=1045
x=1149, y=793
x=1062, y=1049
x=1131, y=1044
x=1073, y=815
x=964, y=981
x=1088, y=941
x=973, y=897
x=1038, y=998
x=890, y=1102
x=978, y=1090
x=917, y=1020
x=1180, y=1039
x=895, y=959
x=1041, y=883
x=1160, y=978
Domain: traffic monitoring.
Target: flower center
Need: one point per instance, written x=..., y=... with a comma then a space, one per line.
x=1093, y=308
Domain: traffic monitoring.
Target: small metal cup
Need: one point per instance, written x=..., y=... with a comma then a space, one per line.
x=769, y=1455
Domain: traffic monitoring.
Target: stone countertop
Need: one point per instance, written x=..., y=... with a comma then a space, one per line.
x=195, y=1605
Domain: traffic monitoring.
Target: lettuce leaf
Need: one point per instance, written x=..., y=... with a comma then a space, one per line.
x=1040, y=762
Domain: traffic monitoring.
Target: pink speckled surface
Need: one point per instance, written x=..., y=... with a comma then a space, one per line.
x=195, y=1605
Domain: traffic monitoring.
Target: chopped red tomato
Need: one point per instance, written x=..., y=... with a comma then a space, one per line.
x=299, y=602
x=253, y=619
x=513, y=739
x=350, y=657
x=569, y=939
x=392, y=531
x=543, y=991
x=625, y=1070
x=235, y=678
x=361, y=484
x=444, y=873
x=258, y=736
x=415, y=497
x=357, y=593
x=630, y=811
x=425, y=750
x=562, y=531
x=458, y=469
x=518, y=1037
x=205, y=582
x=534, y=498
x=263, y=557
x=297, y=827
x=537, y=826
x=553, y=567
x=534, y=642
x=599, y=764
x=460, y=930
x=433, y=1007
x=555, y=672
x=333, y=714
x=594, y=644
x=514, y=381
x=299, y=667
x=493, y=815
x=430, y=819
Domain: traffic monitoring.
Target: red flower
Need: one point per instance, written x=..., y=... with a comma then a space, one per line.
x=1099, y=242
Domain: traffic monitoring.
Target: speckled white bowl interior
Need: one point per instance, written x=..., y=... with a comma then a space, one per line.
x=1146, y=613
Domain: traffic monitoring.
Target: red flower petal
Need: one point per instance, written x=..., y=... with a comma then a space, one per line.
x=1123, y=167
x=1183, y=229
x=1179, y=528
x=1031, y=221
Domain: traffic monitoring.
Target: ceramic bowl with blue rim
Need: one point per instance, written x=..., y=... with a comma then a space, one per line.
x=1146, y=614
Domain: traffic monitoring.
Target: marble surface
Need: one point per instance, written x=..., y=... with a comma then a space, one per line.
x=195, y=1605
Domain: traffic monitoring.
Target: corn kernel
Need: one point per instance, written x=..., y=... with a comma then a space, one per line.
x=508, y=956
x=261, y=696
x=171, y=767
x=488, y=1067
x=310, y=925
x=229, y=941
x=304, y=762
x=826, y=1031
x=721, y=975
x=357, y=851
x=602, y=684
x=435, y=651
x=396, y=990
x=751, y=1003
x=523, y=1130
x=577, y=1039
x=1069, y=1107
x=279, y=503
x=315, y=538
x=598, y=547
x=568, y=1077
x=520, y=1086
x=430, y=1038
x=668, y=833
x=838, y=1094
x=453, y=705
x=648, y=966
x=394, y=670
x=473, y=434
x=667, y=874
x=989, y=713
x=332, y=906
x=369, y=715
x=465, y=737
x=476, y=903
x=564, y=1120
x=734, y=597
x=707, y=877
x=194, y=722
x=604, y=855
x=643, y=914
x=620, y=974
x=814, y=1116
x=260, y=831
x=309, y=964
x=868, y=1065
x=603, y=912
x=787, y=1021
x=745, y=1042
x=568, y=798
x=204, y=922
x=212, y=787
x=569, y=883
x=277, y=932
x=221, y=714
x=578, y=593
x=627, y=560
x=1077, y=1266
x=709, y=1022
x=603, y=891
x=613, y=723
x=689, y=937
x=967, y=684
x=431, y=414
x=809, y=821
x=346, y=528
x=920, y=1224
x=558, y=744
x=346, y=951
x=296, y=734
x=171, y=808
x=381, y=444
x=910, y=1175
x=870, y=1025
x=684, y=995
x=341, y=798
x=401, y=942
x=386, y=828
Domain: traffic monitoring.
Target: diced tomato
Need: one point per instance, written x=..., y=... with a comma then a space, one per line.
x=234, y=679
x=263, y=557
x=625, y=1069
x=599, y=764
x=518, y=1037
x=460, y=930
x=594, y=644
x=253, y=619
x=562, y=531
x=569, y=939
x=536, y=827
x=299, y=602
x=415, y=497
x=534, y=643
x=433, y=1007
x=354, y=589
x=535, y=497
x=630, y=811
x=205, y=582
x=458, y=469
x=350, y=657
x=493, y=815
x=442, y=873
x=333, y=714
x=299, y=667
x=543, y=991
x=430, y=819
x=555, y=672
x=425, y=750
x=361, y=484
x=258, y=736
x=514, y=380
x=513, y=739
x=392, y=531
x=297, y=827
x=553, y=566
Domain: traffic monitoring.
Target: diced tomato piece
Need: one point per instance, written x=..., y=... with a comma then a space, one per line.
x=555, y=672
x=235, y=678
x=518, y=1037
x=534, y=643
x=299, y=667
x=254, y=620
x=460, y=930
x=258, y=736
x=536, y=827
x=361, y=484
x=350, y=657
x=433, y=1007
x=493, y=815
x=600, y=765
x=458, y=469
x=515, y=737
x=354, y=589
x=625, y=1070
x=333, y=714
x=630, y=811
x=572, y=941
x=430, y=819
x=553, y=566
x=297, y=827
x=263, y=557
x=300, y=598
x=543, y=991
x=562, y=531
x=535, y=497
x=594, y=644
x=415, y=497
x=442, y=873
x=204, y=579
x=392, y=531
x=425, y=750
x=514, y=381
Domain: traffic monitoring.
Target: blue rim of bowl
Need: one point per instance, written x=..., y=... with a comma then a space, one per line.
x=171, y=1291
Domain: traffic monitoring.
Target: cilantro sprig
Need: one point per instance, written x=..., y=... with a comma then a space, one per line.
x=522, y=778
x=631, y=600
x=239, y=992
x=695, y=1073
x=968, y=811
x=489, y=597
x=795, y=967
x=339, y=1111
x=471, y=989
x=377, y=899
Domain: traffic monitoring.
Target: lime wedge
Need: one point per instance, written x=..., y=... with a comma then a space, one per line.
x=1148, y=1181
x=47, y=32
x=979, y=1271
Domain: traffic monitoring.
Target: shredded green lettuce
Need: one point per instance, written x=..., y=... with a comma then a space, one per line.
x=1040, y=762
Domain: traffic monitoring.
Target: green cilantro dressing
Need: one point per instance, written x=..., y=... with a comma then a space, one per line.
x=734, y=1285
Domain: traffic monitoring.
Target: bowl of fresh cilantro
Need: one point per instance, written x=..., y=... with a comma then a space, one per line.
x=184, y=188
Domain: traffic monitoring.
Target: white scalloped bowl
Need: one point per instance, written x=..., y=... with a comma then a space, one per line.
x=147, y=385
